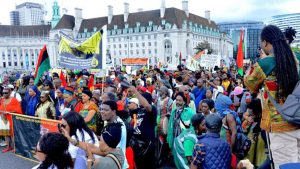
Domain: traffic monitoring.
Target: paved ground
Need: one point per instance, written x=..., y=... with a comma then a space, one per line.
x=11, y=161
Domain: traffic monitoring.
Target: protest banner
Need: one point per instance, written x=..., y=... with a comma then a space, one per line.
x=210, y=61
x=192, y=64
x=27, y=132
x=90, y=54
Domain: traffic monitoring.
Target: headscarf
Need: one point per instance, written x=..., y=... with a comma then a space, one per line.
x=36, y=90
x=222, y=105
x=61, y=89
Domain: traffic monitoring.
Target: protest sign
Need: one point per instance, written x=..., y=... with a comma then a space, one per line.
x=27, y=132
x=210, y=61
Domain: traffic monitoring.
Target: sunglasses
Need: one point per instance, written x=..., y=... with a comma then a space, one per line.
x=5, y=93
x=42, y=97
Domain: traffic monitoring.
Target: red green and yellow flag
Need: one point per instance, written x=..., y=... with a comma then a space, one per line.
x=42, y=66
x=240, y=55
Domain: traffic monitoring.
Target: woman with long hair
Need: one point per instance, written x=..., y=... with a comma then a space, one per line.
x=52, y=152
x=75, y=127
x=278, y=74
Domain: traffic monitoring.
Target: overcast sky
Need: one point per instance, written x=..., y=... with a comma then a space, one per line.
x=221, y=10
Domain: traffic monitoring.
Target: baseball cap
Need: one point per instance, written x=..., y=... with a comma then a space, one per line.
x=135, y=100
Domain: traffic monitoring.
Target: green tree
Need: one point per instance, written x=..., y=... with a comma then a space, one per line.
x=202, y=46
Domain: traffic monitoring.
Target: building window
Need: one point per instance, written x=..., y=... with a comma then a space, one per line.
x=155, y=43
x=136, y=38
x=119, y=39
x=4, y=64
x=125, y=52
x=120, y=53
x=143, y=44
x=32, y=63
x=149, y=36
x=155, y=50
x=137, y=45
x=22, y=64
x=143, y=37
x=16, y=63
x=115, y=46
x=125, y=45
x=114, y=39
x=143, y=51
x=108, y=39
x=120, y=46
x=149, y=51
x=149, y=43
x=137, y=52
x=131, y=52
x=9, y=63
x=131, y=45
x=108, y=46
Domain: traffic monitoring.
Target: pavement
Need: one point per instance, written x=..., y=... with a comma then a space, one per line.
x=10, y=161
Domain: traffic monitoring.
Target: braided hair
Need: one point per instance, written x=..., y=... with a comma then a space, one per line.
x=55, y=146
x=286, y=67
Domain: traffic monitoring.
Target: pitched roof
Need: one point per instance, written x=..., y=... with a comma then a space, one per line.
x=24, y=31
x=172, y=16
x=66, y=22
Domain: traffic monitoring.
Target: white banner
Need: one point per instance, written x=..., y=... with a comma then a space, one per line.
x=210, y=61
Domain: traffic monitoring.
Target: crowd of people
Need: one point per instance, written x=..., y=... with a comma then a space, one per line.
x=210, y=119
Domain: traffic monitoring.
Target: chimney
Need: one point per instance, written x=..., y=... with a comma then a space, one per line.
x=126, y=11
x=207, y=15
x=185, y=7
x=110, y=13
x=140, y=9
x=78, y=19
x=162, y=8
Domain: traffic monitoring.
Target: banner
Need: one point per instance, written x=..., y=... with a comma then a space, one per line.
x=192, y=64
x=90, y=54
x=210, y=61
x=27, y=132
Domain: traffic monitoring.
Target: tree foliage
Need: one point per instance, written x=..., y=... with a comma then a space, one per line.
x=202, y=46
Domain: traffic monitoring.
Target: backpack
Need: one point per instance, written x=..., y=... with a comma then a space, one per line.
x=242, y=142
x=290, y=110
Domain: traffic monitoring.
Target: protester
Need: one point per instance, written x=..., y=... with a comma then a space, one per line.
x=278, y=74
x=59, y=102
x=109, y=113
x=14, y=93
x=52, y=152
x=48, y=86
x=144, y=129
x=180, y=120
x=8, y=105
x=199, y=92
x=206, y=107
x=198, y=123
x=211, y=151
x=32, y=100
x=45, y=108
x=89, y=109
x=71, y=102
x=75, y=130
x=109, y=140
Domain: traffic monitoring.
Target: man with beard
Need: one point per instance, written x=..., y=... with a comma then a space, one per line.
x=180, y=122
x=143, y=116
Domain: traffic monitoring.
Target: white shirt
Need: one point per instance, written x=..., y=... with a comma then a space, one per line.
x=122, y=144
x=18, y=96
x=73, y=149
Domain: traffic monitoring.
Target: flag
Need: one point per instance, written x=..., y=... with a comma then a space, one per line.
x=63, y=80
x=180, y=58
x=198, y=55
x=240, y=55
x=91, y=83
x=42, y=66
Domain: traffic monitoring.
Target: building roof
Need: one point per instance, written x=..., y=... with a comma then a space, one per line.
x=66, y=22
x=24, y=31
x=172, y=16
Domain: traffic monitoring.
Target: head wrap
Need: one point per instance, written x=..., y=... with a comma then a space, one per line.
x=222, y=104
x=69, y=90
x=61, y=89
x=36, y=90
x=87, y=92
